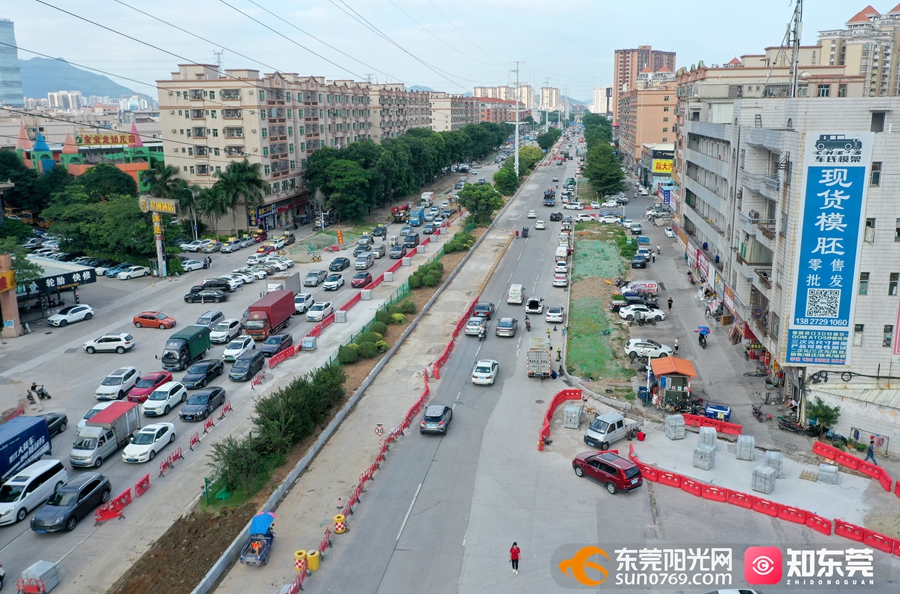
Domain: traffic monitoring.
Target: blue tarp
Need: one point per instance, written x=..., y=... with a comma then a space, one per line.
x=261, y=523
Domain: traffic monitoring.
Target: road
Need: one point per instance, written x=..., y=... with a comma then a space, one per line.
x=53, y=356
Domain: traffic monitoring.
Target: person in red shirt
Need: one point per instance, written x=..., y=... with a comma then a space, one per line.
x=514, y=557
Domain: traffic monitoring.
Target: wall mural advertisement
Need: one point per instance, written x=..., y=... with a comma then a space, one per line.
x=834, y=185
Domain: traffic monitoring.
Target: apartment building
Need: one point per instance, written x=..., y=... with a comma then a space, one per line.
x=526, y=96
x=629, y=63
x=452, y=112
x=647, y=115
x=66, y=100
x=396, y=110
x=10, y=73
x=503, y=92
x=550, y=99
x=601, y=104
x=497, y=110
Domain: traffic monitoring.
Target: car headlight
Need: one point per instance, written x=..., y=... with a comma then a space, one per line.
x=6, y=513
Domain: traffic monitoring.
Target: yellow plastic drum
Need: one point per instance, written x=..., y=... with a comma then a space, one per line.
x=340, y=524
x=299, y=556
x=313, y=559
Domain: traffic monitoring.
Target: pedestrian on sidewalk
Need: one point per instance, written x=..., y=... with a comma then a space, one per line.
x=514, y=552
x=676, y=344
x=670, y=304
x=870, y=452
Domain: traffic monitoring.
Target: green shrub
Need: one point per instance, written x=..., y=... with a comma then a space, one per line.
x=618, y=297
x=367, y=350
x=408, y=307
x=450, y=247
x=438, y=264
x=382, y=317
x=382, y=346
x=348, y=354
x=369, y=337
x=429, y=281
x=415, y=282
x=380, y=327
x=394, y=311
x=398, y=318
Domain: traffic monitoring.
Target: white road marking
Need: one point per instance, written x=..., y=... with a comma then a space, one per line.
x=409, y=511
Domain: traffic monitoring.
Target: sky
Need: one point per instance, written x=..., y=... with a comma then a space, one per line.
x=445, y=45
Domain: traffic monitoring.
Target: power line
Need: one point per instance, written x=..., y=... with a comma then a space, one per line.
x=463, y=34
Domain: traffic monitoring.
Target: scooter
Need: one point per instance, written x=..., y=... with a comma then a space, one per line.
x=702, y=341
x=528, y=324
x=39, y=392
x=788, y=425
x=758, y=413
x=482, y=334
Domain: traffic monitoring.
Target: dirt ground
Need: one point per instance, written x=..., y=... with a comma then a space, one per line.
x=201, y=538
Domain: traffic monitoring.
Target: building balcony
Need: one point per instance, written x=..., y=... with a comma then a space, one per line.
x=720, y=167
x=709, y=129
x=770, y=140
x=705, y=194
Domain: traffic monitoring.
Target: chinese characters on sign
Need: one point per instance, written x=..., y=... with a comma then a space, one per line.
x=835, y=192
x=99, y=139
x=663, y=165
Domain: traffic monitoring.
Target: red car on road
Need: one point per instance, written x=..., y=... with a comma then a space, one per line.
x=361, y=279
x=147, y=383
x=265, y=249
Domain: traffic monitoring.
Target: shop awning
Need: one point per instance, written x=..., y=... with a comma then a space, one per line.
x=669, y=365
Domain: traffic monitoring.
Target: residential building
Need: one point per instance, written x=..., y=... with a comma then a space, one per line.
x=629, y=63
x=497, y=110
x=646, y=116
x=526, y=96
x=10, y=74
x=504, y=92
x=66, y=100
x=396, y=110
x=550, y=99
x=452, y=112
x=601, y=101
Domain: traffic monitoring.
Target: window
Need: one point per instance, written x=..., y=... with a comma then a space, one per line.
x=803, y=90
x=265, y=151
x=893, y=279
x=877, y=122
x=863, y=283
x=858, y=334
x=666, y=98
x=897, y=231
x=888, y=339
x=215, y=132
x=290, y=130
x=665, y=139
x=875, y=179
x=265, y=133
x=266, y=167
x=192, y=169
x=842, y=90
x=665, y=119
x=212, y=95
x=666, y=108
x=870, y=230
x=823, y=90
x=666, y=129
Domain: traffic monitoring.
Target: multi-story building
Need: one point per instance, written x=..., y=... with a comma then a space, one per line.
x=497, y=110
x=10, y=74
x=550, y=99
x=600, y=104
x=629, y=63
x=504, y=92
x=65, y=100
x=452, y=112
x=646, y=116
x=526, y=96
x=396, y=110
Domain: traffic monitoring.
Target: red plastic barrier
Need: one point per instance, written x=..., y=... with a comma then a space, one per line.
x=847, y=460
x=325, y=542
x=258, y=378
x=353, y=301
x=327, y=321
x=848, y=530
x=378, y=280
x=740, y=499
x=631, y=454
x=764, y=506
x=208, y=424
x=286, y=353
x=226, y=408
x=559, y=398
x=880, y=541
x=868, y=469
x=714, y=493
x=395, y=266
x=316, y=331
x=177, y=455
x=105, y=512
x=792, y=514
x=885, y=479
x=730, y=428
x=689, y=485
x=819, y=523
x=824, y=450
x=142, y=485
x=194, y=440
x=897, y=489
x=669, y=478
x=301, y=573
x=31, y=586
x=122, y=500
x=164, y=466
x=693, y=420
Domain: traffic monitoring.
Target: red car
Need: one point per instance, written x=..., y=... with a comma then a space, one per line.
x=361, y=279
x=153, y=319
x=608, y=469
x=147, y=383
x=265, y=249
x=258, y=237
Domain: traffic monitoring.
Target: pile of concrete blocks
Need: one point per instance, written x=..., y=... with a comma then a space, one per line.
x=746, y=447
x=675, y=427
x=828, y=473
x=708, y=436
x=764, y=479
x=704, y=456
x=776, y=460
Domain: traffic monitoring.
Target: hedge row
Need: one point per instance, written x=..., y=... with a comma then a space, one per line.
x=427, y=275
x=460, y=242
x=370, y=344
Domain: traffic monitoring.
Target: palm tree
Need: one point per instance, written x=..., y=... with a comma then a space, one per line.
x=188, y=196
x=213, y=203
x=163, y=181
x=241, y=179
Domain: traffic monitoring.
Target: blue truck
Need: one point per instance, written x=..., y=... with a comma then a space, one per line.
x=23, y=440
x=417, y=217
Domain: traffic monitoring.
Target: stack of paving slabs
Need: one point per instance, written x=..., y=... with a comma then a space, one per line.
x=776, y=460
x=675, y=427
x=708, y=436
x=45, y=571
x=746, y=447
x=704, y=456
x=764, y=479
x=828, y=473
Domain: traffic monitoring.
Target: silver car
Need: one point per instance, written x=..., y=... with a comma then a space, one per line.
x=507, y=327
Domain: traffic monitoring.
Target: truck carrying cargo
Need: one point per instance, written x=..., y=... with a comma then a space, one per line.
x=400, y=213
x=23, y=440
x=269, y=315
x=538, y=362
x=290, y=283
x=427, y=199
x=184, y=347
x=104, y=433
x=417, y=217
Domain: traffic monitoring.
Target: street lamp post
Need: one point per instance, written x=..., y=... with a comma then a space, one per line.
x=194, y=211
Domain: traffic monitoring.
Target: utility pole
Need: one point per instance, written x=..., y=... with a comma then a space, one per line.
x=517, y=62
x=547, y=119
x=220, y=61
x=796, y=31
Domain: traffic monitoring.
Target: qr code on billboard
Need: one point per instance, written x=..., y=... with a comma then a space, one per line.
x=823, y=303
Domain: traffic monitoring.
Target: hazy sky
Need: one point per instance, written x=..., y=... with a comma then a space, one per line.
x=445, y=45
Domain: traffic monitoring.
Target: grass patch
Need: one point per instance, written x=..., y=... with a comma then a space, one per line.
x=595, y=258
x=592, y=353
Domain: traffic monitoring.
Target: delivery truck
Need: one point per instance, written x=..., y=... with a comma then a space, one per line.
x=104, y=433
x=184, y=347
x=269, y=315
x=427, y=199
x=538, y=362
x=417, y=217
x=290, y=283
x=23, y=440
x=608, y=428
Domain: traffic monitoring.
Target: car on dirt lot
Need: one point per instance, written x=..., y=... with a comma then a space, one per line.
x=630, y=311
x=643, y=347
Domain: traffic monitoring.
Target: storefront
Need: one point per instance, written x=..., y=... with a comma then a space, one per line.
x=57, y=287
x=672, y=388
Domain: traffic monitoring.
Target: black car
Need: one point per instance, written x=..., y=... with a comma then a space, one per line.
x=275, y=344
x=56, y=422
x=437, y=419
x=202, y=403
x=639, y=261
x=556, y=216
x=200, y=373
x=397, y=252
x=339, y=264
x=360, y=249
x=380, y=231
x=484, y=309
x=246, y=366
x=206, y=295
x=72, y=501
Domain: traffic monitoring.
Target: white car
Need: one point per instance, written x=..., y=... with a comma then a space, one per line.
x=191, y=265
x=83, y=422
x=319, y=311
x=333, y=282
x=573, y=206
x=163, y=399
x=148, y=442
x=608, y=219
x=133, y=272
x=287, y=261
x=244, y=277
x=238, y=347
x=253, y=271
x=485, y=372
x=254, y=259
x=583, y=218
x=277, y=243
x=532, y=214
x=117, y=342
x=117, y=384
x=534, y=305
x=196, y=245
x=555, y=314
x=560, y=280
x=610, y=204
x=642, y=347
x=302, y=302
x=627, y=223
x=73, y=313
x=540, y=225
x=595, y=205
x=275, y=263
x=643, y=252
x=561, y=268
x=628, y=312
x=225, y=331
x=669, y=232
x=474, y=325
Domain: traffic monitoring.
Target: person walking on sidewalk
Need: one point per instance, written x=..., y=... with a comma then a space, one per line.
x=870, y=452
x=514, y=552
x=676, y=345
x=670, y=304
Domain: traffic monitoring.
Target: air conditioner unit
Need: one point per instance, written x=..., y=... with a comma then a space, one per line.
x=170, y=92
x=255, y=150
x=252, y=112
x=254, y=131
x=172, y=112
x=174, y=130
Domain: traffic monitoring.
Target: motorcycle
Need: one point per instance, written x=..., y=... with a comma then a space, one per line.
x=788, y=425
x=702, y=341
x=620, y=282
x=758, y=413
x=39, y=392
x=482, y=334
x=528, y=324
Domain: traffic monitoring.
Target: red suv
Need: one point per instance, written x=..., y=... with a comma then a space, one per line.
x=615, y=472
x=361, y=279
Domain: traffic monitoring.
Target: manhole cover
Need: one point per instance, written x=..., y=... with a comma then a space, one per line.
x=71, y=350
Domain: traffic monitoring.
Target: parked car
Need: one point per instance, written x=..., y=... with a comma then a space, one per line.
x=436, y=419
x=560, y=280
x=113, y=271
x=206, y=296
x=484, y=309
x=276, y=343
x=630, y=311
x=133, y=272
x=614, y=472
x=669, y=232
x=148, y=441
x=333, y=282
x=73, y=313
x=196, y=245
x=117, y=342
x=238, y=347
x=202, y=403
x=147, y=383
x=555, y=314
x=638, y=261
x=314, y=278
x=72, y=501
x=485, y=372
x=230, y=246
x=212, y=246
x=200, y=373
x=247, y=241
x=254, y=271
x=163, y=398
x=153, y=319
x=583, y=218
x=319, y=311
x=643, y=347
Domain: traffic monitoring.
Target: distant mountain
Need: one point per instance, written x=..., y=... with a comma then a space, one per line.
x=571, y=100
x=420, y=88
x=42, y=75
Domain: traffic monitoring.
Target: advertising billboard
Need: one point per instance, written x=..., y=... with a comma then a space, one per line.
x=834, y=190
x=663, y=166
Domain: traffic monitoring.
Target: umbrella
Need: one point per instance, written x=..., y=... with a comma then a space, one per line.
x=262, y=522
x=703, y=329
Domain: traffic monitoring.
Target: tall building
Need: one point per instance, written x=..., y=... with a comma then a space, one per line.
x=601, y=103
x=452, y=112
x=550, y=99
x=498, y=111
x=398, y=110
x=526, y=96
x=66, y=100
x=631, y=62
x=647, y=116
x=10, y=74
x=505, y=92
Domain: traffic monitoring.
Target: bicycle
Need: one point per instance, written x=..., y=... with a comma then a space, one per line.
x=765, y=400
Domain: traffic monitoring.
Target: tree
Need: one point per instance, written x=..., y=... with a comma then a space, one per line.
x=241, y=180
x=26, y=270
x=603, y=171
x=27, y=192
x=506, y=180
x=163, y=181
x=481, y=202
x=529, y=156
x=214, y=203
x=549, y=138
x=16, y=230
x=825, y=416
x=103, y=181
x=347, y=189
x=316, y=166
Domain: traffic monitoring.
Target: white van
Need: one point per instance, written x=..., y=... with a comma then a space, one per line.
x=644, y=191
x=562, y=253
x=516, y=294
x=365, y=261
x=29, y=488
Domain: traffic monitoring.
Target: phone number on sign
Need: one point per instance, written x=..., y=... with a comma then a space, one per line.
x=819, y=322
x=673, y=579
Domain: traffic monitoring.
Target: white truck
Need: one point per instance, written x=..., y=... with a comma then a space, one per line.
x=290, y=283
x=539, y=362
x=609, y=428
x=104, y=433
x=562, y=253
x=427, y=199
